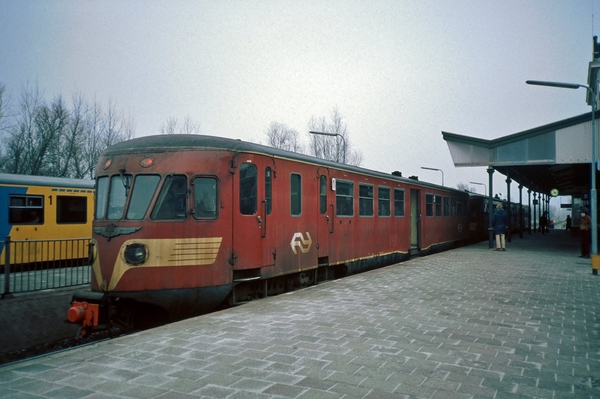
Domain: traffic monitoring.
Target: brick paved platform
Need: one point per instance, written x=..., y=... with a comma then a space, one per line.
x=467, y=323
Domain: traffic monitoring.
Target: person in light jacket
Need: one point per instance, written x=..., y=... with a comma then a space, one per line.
x=500, y=223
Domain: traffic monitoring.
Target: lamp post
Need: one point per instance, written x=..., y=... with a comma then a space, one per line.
x=333, y=135
x=593, y=199
x=481, y=184
x=439, y=170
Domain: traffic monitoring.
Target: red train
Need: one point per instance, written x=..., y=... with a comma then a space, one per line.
x=186, y=223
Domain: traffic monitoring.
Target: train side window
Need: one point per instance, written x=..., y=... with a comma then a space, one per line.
x=428, y=204
x=296, y=194
x=344, y=198
x=323, y=194
x=144, y=187
x=453, y=207
x=248, y=188
x=383, y=201
x=26, y=209
x=268, y=190
x=365, y=200
x=446, y=206
x=398, y=202
x=459, y=208
x=172, y=200
x=205, y=197
x=71, y=209
x=101, y=196
x=438, y=205
x=117, y=196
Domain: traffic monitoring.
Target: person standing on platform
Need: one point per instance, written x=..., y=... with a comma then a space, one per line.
x=543, y=223
x=584, y=231
x=569, y=223
x=500, y=223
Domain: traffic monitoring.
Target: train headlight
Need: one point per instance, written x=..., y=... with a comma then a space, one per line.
x=136, y=254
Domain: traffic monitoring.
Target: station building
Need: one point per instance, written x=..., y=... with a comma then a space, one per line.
x=547, y=161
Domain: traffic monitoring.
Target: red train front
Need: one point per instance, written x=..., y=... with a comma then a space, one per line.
x=185, y=223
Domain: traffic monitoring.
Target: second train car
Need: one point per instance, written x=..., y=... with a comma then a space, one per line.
x=47, y=216
x=184, y=223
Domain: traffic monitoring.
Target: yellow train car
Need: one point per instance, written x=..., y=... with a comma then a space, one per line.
x=48, y=219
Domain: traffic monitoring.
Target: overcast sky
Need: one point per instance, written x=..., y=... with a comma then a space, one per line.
x=399, y=71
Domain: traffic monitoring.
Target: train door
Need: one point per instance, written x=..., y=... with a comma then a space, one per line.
x=415, y=219
x=325, y=225
x=253, y=227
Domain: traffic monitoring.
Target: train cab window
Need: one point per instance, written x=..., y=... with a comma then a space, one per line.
x=429, y=204
x=26, y=209
x=268, y=190
x=446, y=206
x=438, y=204
x=248, y=188
x=383, y=201
x=117, y=196
x=398, y=202
x=323, y=194
x=365, y=200
x=172, y=200
x=295, y=194
x=101, y=196
x=344, y=198
x=143, y=190
x=205, y=198
x=71, y=209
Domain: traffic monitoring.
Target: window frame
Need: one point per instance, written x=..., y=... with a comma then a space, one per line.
x=382, y=202
x=343, y=199
x=437, y=199
x=366, y=200
x=207, y=215
x=35, y=212
x=248, y=203
x=295, y=194
x=63, y=215
x=429, y=204
x=399, y=211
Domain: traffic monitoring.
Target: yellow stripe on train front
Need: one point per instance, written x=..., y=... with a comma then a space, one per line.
x=169, y=252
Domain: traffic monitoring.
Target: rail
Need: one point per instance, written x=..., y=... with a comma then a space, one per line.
x=35, y=265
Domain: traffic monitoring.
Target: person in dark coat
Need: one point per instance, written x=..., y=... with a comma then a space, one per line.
x=500, y=223
x=543, y=223
x=584, y=226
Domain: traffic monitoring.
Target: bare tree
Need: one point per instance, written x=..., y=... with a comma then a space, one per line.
x=171, y=126
x=21, y=136
x=4, y=105
x=321, y=145
x=116, y=128
x=47, y=156
x=281, y=136
x=74, y=147
x=465, y=187
x=49, y=139
x=190, y=126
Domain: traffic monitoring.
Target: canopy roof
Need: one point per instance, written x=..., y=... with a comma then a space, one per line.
x=553, y=156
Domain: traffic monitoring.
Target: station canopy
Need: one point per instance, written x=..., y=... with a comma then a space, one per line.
x=554, y=156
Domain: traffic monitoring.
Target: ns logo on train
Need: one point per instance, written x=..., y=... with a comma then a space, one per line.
x=299, y=241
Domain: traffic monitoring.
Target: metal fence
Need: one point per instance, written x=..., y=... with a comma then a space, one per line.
x=36, y=265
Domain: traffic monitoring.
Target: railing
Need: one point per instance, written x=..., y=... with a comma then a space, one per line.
x=36, y=265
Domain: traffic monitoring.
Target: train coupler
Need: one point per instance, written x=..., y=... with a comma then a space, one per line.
x=87, y=311
x=83, y=313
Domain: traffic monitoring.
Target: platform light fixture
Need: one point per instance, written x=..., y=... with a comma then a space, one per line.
x=333, y=135
x=480, y=184
x=593, y=199
x=439, y=170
